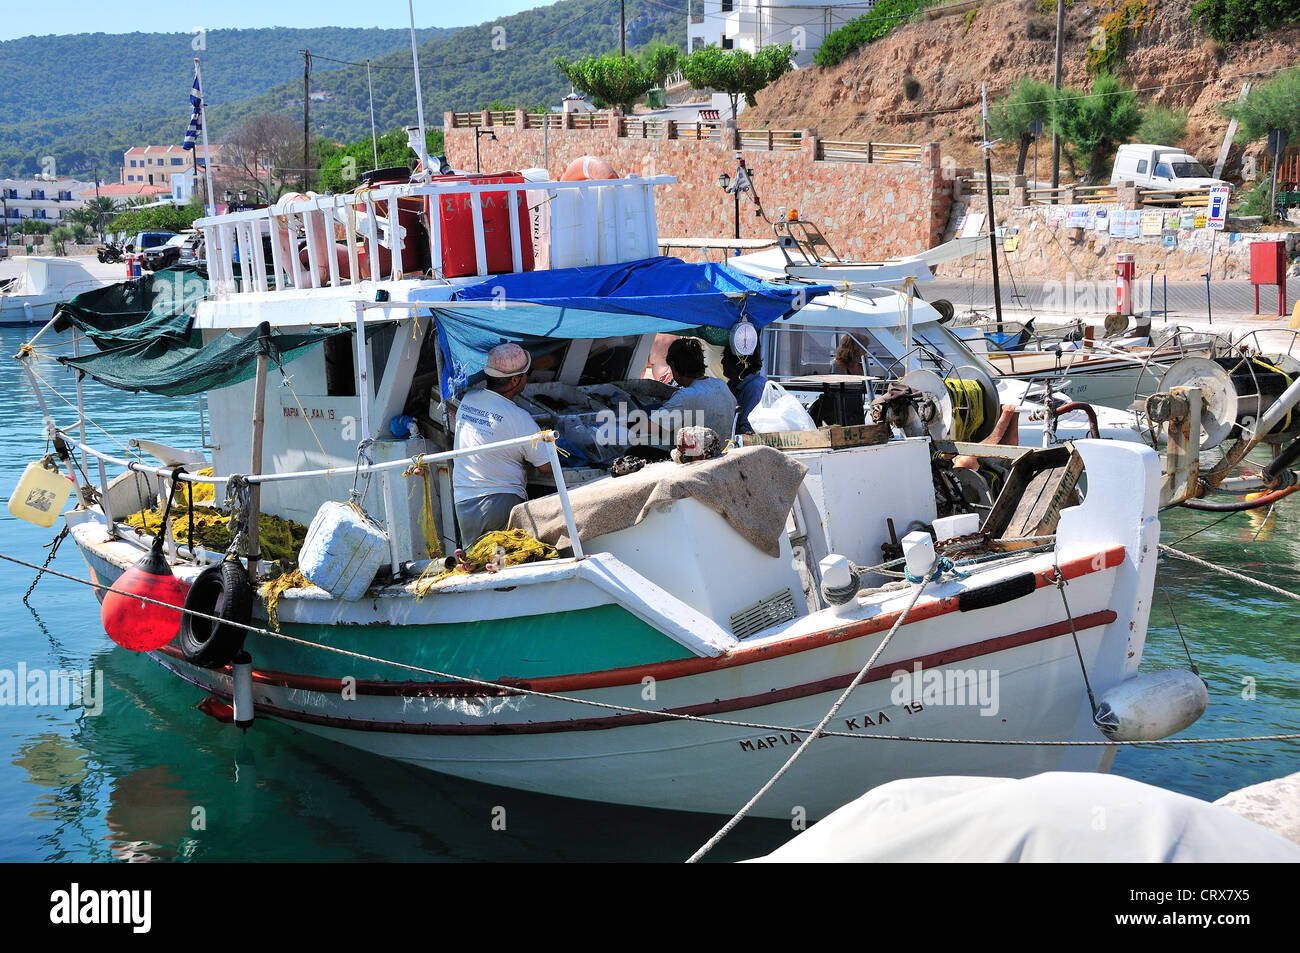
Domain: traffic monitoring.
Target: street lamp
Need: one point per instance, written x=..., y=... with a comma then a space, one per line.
x=741, y=183
x=479, y=131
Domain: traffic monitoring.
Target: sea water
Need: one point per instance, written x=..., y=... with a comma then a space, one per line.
x=149, y=777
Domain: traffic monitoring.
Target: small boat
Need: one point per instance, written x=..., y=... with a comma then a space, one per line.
x=45, y=282
x=663, y=638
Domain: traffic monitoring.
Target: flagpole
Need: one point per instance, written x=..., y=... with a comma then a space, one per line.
x=211, y=207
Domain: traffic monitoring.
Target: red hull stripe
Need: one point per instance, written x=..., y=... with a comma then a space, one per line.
x=835, y=683
x=661, y=671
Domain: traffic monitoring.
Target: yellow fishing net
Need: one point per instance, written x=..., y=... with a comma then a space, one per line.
x=516, y=547
x=279, y=539
x=272, y=591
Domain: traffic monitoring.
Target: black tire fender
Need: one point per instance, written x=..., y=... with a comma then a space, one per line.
x=222, y=590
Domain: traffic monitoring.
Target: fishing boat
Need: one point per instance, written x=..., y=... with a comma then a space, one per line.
x=663, y=638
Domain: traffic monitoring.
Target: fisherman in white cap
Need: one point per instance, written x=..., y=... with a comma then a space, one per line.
x=488, y=485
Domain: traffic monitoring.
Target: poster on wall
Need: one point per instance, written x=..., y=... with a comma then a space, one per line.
x=1055, y=216
x=1188, y=218
x=973, y=225
x=1218, y=206
x=1126, y=223
x=1153, y=222
x=1077, y=217
x=1199, y=222
x=1100, y=220
x=1172, y=218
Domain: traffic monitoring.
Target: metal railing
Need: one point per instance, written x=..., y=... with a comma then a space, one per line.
x=372, y=231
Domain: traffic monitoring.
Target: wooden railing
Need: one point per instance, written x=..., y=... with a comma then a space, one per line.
x=879, y=152
x=771, y=139
x=701, y=130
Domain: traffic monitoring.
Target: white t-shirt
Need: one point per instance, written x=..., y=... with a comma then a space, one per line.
x=707, y=402
x=486, y=417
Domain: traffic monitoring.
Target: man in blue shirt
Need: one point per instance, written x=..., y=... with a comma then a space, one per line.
x=747, y=380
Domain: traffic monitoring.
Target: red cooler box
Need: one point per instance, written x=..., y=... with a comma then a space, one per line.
x=456, y=219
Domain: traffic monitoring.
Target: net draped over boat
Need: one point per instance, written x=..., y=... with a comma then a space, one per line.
x=174, y=369
x=639, y=297
x=155, y=306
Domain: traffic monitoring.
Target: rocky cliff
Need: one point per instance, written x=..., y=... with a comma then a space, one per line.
x=1171, y=59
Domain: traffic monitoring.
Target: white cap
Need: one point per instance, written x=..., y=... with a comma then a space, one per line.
x=507, y=360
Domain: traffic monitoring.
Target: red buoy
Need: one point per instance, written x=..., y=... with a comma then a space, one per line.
x=138, y=625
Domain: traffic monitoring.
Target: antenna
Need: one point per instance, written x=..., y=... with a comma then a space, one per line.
x=423, y=150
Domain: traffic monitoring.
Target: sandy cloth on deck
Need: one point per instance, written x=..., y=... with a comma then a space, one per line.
x=752, y=488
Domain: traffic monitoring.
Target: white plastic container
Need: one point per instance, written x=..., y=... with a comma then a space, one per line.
x=918, y=551
x=950, y=527
x=343, y=550
x=40, y=494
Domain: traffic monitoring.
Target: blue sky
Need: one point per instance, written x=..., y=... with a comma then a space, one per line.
x=81, y=16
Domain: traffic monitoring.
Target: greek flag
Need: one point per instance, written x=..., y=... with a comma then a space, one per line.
x=196, y=123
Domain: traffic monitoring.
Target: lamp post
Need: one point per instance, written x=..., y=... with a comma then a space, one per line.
x=480, y=131
x=743, y=182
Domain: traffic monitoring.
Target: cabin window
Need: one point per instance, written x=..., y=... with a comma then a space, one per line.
x=1142, y=165
x=1163, y=170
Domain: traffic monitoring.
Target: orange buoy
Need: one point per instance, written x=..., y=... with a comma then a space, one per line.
x=588, y=167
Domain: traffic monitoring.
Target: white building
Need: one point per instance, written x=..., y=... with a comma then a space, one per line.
x=41, y=198
x=751, y=24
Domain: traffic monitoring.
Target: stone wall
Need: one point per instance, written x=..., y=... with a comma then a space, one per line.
x=866, y=210
x=1043, y=252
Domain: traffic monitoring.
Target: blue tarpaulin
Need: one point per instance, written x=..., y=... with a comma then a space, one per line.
x=640, y=297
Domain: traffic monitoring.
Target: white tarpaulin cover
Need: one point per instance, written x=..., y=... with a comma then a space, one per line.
x=1058, y=816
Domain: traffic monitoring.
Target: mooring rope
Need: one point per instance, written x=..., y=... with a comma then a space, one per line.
x=816, y=732
x=628, y=709
x=1228, y=572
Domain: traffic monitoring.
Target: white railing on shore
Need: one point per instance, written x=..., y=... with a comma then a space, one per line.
x=370, y=219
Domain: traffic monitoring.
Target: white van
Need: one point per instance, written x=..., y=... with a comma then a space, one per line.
x=1160, y=167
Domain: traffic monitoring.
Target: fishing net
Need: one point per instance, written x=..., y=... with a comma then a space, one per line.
x=279, y=538
x=173, y=368
x=271, y=592
x=155, y=306
x=516, y=547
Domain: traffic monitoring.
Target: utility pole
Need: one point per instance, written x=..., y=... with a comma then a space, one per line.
x=1056, y=84
x=622, y=30
x=306, y=116
x=988, y=190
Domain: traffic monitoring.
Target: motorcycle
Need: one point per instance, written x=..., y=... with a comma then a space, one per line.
x=109, y=253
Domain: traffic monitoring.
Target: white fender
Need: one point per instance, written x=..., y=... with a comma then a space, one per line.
x=1152, y=706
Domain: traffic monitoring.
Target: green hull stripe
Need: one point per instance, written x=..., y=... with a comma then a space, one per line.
x=557, y=643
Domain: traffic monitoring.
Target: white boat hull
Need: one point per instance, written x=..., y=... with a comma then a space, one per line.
x=1020, y=643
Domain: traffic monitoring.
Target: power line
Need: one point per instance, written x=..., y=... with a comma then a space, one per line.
x=533, y=37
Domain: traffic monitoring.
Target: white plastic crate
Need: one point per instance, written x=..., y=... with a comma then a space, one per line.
x=343, y=550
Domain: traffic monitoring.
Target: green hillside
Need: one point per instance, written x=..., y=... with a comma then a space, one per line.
x=86, y=98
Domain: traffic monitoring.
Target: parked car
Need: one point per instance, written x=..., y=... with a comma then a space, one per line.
x=1160, y=167
x=165, y=255
x=143, y=241
x=192, y=250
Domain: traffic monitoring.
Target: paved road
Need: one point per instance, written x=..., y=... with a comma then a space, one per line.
x=1087, y=300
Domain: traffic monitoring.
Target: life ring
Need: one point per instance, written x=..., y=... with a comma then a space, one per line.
x=588, y=167
x=222, y=590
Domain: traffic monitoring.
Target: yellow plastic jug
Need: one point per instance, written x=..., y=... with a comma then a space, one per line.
x=41, y=493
